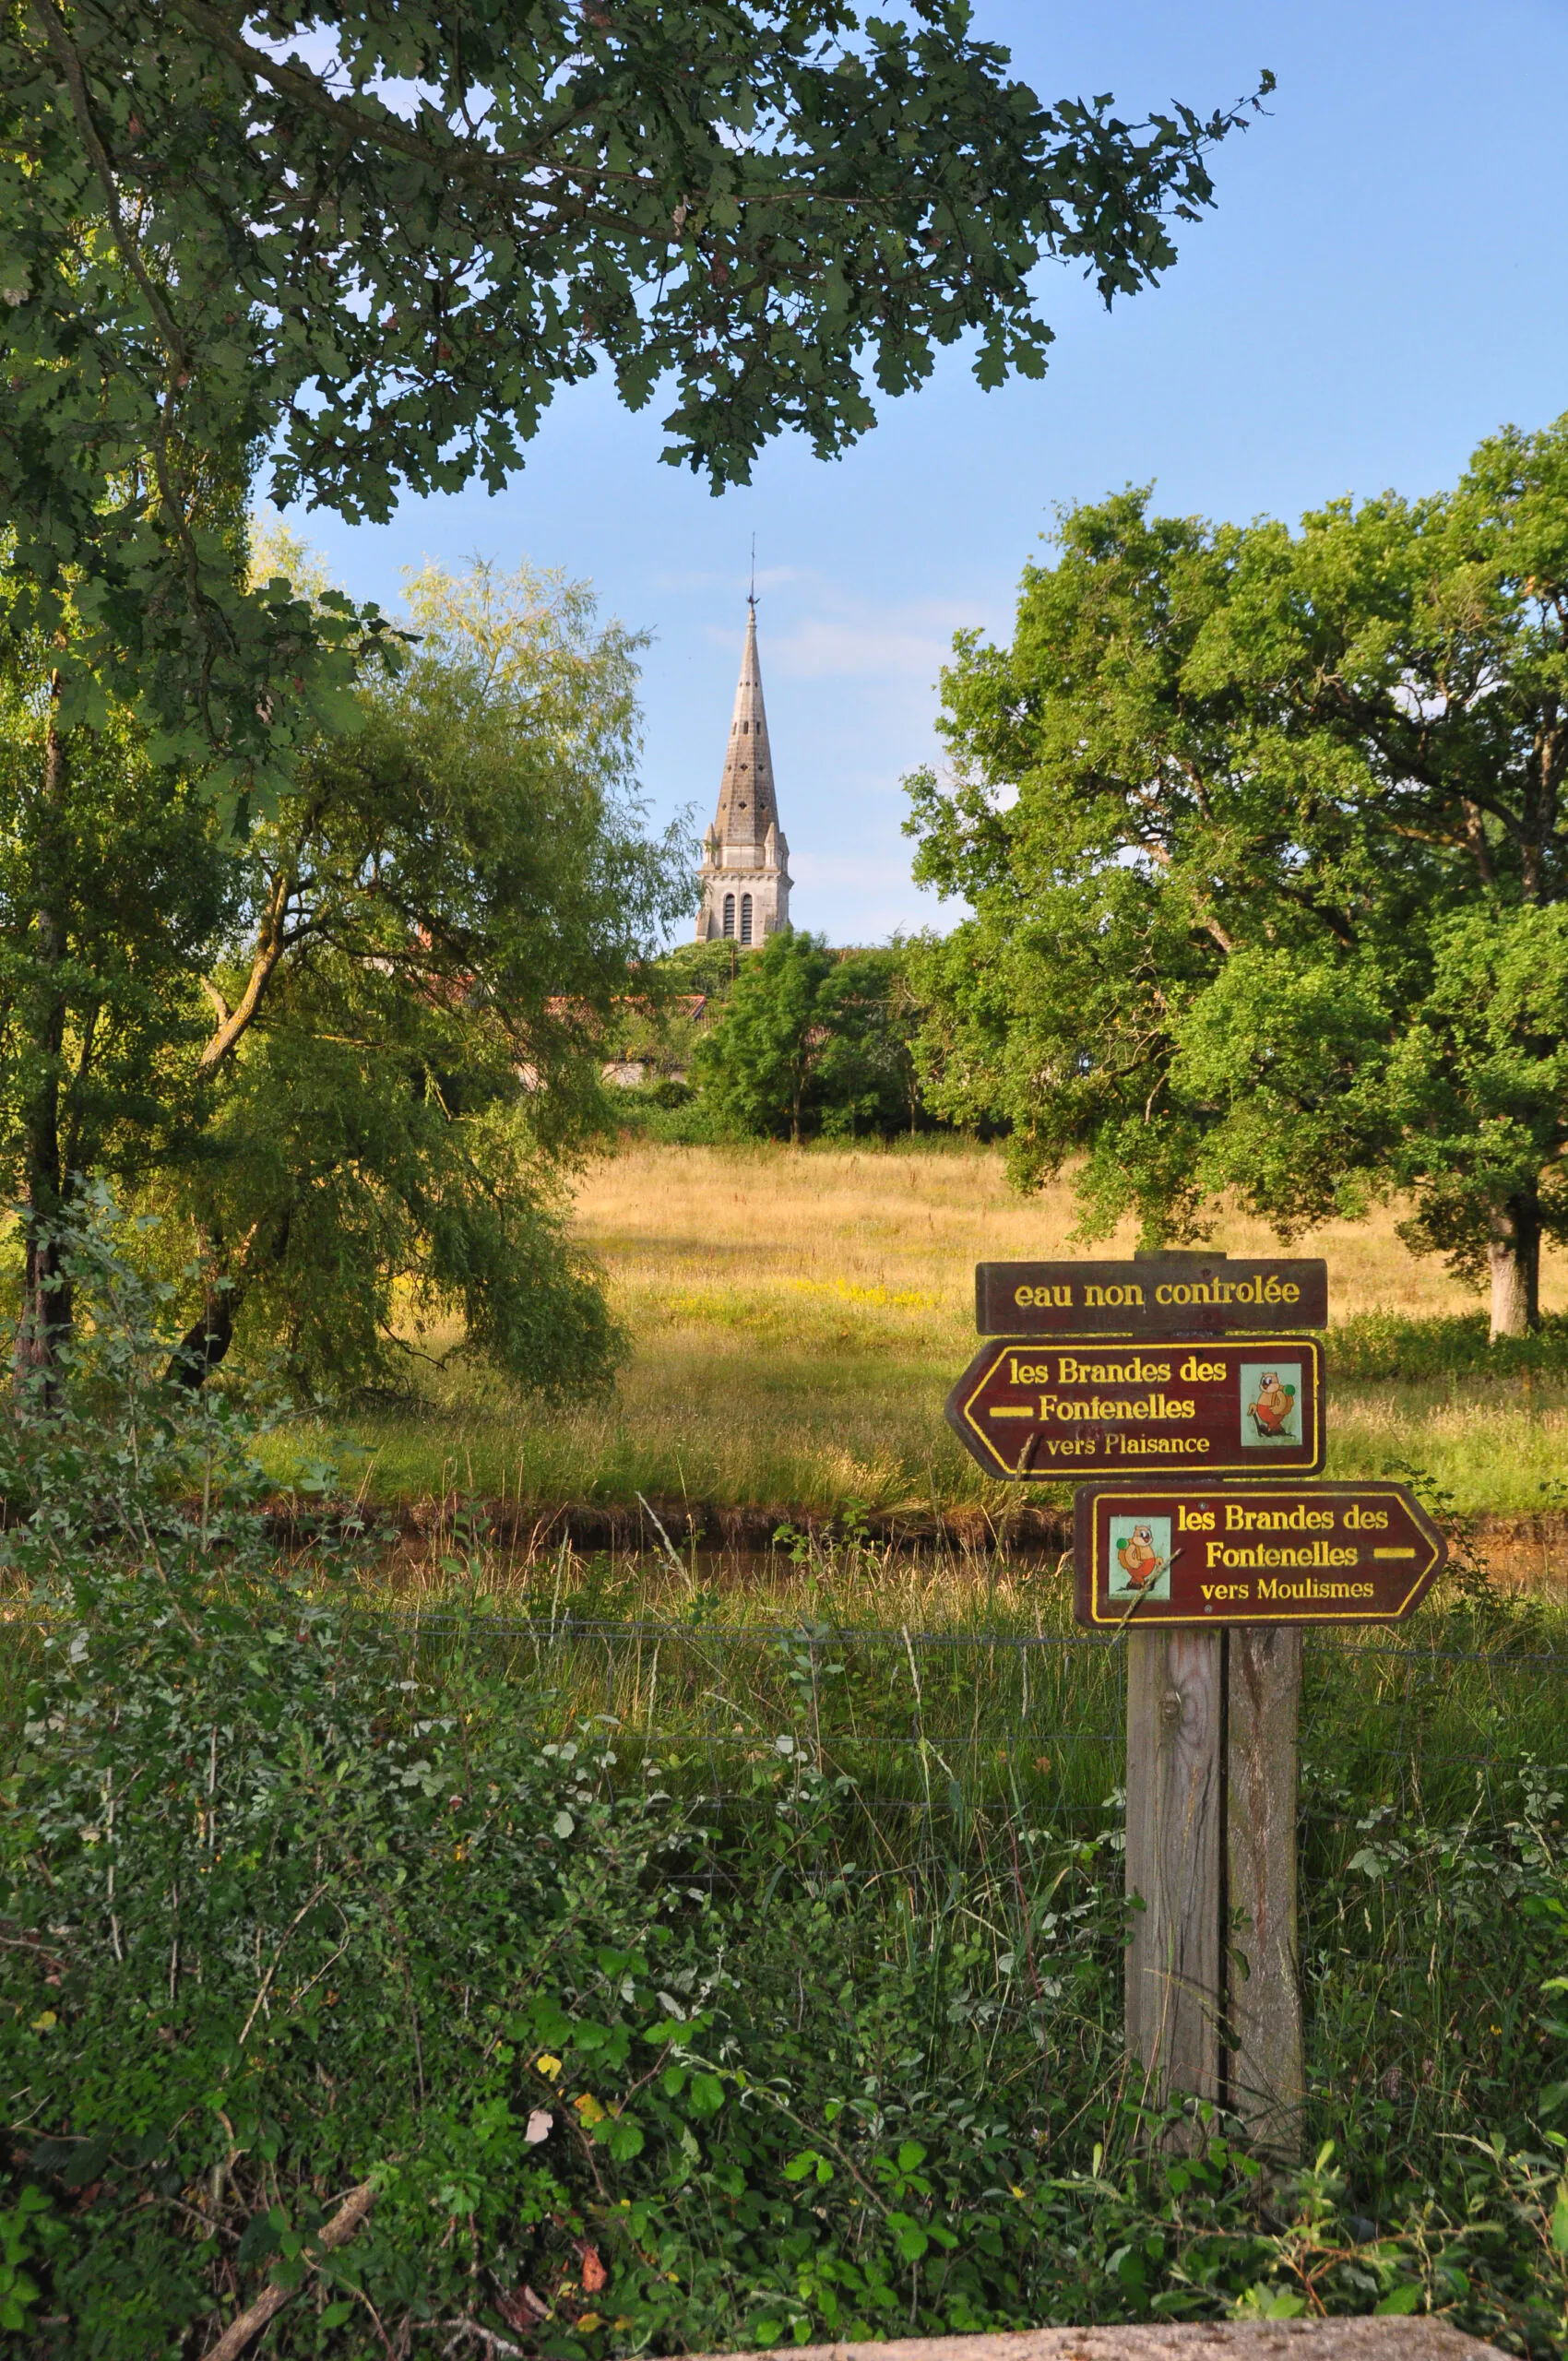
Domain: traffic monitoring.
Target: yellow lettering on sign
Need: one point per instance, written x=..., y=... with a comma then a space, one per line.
x=1046, y=1298
x=1255, y=1289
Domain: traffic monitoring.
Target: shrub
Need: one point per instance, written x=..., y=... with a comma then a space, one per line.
x=1389, y=1345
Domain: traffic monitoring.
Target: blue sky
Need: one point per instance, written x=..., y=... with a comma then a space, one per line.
x=1385, y=280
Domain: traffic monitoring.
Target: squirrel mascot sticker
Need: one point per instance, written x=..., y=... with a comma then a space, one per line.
x=1271, y=1402
x=1140, y=1554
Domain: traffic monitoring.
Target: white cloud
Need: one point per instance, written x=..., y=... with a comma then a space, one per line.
x=900, y=643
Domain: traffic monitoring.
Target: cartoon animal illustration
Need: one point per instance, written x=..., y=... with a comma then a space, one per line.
x=1140, y=1561
x=1272, y=1406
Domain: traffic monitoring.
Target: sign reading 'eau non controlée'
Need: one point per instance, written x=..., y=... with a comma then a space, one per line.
x=1153, y=1295
x=1054, y=1413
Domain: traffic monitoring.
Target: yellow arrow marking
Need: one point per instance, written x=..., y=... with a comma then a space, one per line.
x=1393, y=1553
x=1000, y=1410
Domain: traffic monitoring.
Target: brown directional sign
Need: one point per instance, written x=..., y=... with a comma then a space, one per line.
x=1252, y=1553
x=1055, y=1413
x=1153, y=1295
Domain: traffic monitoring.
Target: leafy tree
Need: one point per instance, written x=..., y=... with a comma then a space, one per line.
x=757, y=1064
x=866, y=1081
x=1263, y=836
x=223, y=235
x=809, y=1039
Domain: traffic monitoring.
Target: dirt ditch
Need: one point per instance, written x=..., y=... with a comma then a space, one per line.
x=1518, y=1550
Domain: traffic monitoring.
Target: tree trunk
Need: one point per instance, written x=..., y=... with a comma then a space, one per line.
x=45, y=1319
x=1514, y=1256
x=206, y=1342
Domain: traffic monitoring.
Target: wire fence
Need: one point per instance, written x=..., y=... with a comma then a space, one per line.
x=984, y=1721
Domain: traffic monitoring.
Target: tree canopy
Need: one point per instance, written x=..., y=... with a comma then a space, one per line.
x=359, y=249
x=1263, y=833
x=809, y=1039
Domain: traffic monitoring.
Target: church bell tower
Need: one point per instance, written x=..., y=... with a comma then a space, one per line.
x=745, y=873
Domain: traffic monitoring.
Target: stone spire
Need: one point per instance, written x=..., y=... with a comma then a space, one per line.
x=745, y=867
x=747, y=807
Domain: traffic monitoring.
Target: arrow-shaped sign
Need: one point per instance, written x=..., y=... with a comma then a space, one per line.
x=1257, y=1553
x=1055, y=1413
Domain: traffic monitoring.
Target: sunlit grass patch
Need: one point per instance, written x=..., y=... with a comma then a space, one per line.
x=797, y=1319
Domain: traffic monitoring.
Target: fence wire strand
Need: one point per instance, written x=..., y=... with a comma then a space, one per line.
x=954, y=1723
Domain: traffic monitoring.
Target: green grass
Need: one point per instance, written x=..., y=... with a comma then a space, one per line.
x=915, y=1685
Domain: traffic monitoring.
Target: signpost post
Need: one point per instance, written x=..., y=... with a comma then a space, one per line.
x=1120, y=1371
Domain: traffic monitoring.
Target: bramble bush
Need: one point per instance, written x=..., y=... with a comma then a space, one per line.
x=295, y=1907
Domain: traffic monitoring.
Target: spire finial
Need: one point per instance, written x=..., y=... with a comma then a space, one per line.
x=751, y=595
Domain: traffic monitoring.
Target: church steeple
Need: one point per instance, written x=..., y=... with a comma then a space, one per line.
x=745, y=875
x=747, y=807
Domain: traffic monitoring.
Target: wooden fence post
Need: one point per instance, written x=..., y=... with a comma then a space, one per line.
x=1214, y=1999
x=1175, y=1806
x=1263, y=2070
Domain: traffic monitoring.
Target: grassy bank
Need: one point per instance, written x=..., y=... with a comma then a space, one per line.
x=797, y=1317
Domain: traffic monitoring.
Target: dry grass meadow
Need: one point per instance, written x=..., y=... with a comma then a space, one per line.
x=797, y=1317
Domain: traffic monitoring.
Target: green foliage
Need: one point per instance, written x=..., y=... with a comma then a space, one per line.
x=866, y=1083
x=757, y=1066
x=809, y=1041
x=707, y=967
x=676, y=1114
x=445, y=911
x=1390, y=1346
x=215, y=247
x=298, y=1900
x=1264, y=839
x=672, y=1004
x=98, y=1017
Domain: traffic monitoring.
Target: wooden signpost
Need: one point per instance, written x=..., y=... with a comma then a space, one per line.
x=1212, y=1585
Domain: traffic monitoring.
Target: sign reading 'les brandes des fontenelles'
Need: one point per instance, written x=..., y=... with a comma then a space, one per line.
x=1153, y=1295
x=1253, y=1553
x=1054, y=1413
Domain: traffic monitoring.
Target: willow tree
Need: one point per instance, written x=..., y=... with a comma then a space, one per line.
x=435, y=930
x=349, y=1058
x=1264, y=836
